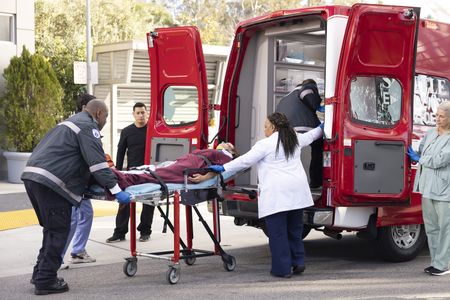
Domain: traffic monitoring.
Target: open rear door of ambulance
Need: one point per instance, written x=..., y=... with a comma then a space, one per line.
x=178, y=121
x=374, y=98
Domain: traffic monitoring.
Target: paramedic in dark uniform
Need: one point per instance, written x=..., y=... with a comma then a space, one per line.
x=300, y=108
x=132, y=142
x=55, y=177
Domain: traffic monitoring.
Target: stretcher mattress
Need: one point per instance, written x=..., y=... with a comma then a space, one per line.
x=149, y=188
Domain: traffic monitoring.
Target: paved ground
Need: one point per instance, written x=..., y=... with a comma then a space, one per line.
x=347, y=269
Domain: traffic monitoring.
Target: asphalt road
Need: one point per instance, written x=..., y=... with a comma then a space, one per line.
x=346, y=269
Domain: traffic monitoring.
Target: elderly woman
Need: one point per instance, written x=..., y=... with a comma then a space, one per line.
x=283, y=190
x=433, y=182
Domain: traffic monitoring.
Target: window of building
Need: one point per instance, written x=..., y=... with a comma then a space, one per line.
x=7, y=28
x=376, y=100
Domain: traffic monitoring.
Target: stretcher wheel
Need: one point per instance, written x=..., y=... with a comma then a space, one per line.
x=130, y=267
x=173, y=275
x=230, y=264
x=190, y=260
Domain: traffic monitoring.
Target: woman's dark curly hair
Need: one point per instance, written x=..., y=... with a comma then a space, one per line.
x=286, y=134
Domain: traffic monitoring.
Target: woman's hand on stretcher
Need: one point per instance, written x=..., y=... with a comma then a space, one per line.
x=196, y=178
x=123, y=197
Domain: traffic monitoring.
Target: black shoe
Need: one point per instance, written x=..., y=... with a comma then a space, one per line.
x=428, y=270
x=144, y=238
x=115, y=239
x=437, y=272
x=32, y=281
x=297, y=270
x=55, y=288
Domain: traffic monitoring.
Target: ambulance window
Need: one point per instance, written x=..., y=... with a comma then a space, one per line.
x=376, y=100
x=180, y=105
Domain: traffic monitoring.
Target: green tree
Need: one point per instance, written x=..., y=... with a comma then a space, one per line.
x=60, y=29
x=31, y=104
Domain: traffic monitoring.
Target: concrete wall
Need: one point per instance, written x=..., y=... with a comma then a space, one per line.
x=23, y=12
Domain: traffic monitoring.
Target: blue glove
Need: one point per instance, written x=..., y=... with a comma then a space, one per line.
x=216, y=168
x=321, y=109
x=322, y=125
x=123, y=197
x=413, y=154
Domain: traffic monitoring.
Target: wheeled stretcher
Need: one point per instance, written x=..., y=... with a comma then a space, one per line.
x=174, y=194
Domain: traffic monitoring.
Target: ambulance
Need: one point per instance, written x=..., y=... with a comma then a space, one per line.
x=381, y=72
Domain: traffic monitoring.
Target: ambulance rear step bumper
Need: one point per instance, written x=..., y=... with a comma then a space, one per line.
x=318, y=216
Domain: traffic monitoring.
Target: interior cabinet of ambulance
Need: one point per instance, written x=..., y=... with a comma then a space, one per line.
x=294, y=58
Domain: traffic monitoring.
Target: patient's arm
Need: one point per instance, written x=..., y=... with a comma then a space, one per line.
x=196, y=178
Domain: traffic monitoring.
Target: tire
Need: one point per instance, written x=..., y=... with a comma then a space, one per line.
x=400, y=243
x=190, y=260
x=130, y=267
x=173, y=275
x=230, y=265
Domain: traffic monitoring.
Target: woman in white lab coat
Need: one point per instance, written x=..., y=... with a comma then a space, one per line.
x=283, y=190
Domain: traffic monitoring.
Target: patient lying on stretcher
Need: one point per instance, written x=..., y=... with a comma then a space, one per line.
x=173, y=172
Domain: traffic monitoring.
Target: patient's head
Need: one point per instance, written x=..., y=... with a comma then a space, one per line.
x=228, y=147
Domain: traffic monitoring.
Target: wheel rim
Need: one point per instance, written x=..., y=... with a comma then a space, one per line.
x=405, y=236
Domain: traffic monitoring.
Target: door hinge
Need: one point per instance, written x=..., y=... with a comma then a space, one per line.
x=151, y=36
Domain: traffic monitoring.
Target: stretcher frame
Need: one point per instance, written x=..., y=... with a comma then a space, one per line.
x=181, y=250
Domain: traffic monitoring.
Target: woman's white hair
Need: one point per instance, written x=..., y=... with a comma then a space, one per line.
x=445, y=107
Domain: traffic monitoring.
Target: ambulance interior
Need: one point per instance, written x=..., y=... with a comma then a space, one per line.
x=276, y=60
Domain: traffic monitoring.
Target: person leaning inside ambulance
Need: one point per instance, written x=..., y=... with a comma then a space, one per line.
x=283, y=190
x=433, y=182
x=55, y=177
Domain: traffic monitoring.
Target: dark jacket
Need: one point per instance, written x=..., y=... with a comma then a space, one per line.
x=300, y=106
x=67, y=155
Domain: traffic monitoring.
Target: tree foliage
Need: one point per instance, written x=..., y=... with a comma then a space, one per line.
x=60, y=30
x=217, y=19
x=31, y=104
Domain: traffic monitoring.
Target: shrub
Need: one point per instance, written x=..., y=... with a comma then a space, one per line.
x=31, y=104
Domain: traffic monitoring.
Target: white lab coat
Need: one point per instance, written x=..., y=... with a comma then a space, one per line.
x=283, y=184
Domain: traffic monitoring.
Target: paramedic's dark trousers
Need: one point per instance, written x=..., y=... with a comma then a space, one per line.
x=285, y=231
x=123, y=215
x=53, y=213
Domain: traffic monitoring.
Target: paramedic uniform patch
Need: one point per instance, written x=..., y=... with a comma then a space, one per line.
x=96, y=133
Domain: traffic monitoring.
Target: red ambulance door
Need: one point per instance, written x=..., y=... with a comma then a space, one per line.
x=178, y=121
x=374, y=98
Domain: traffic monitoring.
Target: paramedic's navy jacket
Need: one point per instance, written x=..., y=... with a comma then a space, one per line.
x=67, y=155
x=300, y=107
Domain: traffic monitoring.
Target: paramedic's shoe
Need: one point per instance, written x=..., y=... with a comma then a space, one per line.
x=59, y=286
x=115, y=239
x=82, y=257
x=297, y=270
x=428, y=269
x=32, y=281
x=437, y=272
x=144, y=238
x=64, y=266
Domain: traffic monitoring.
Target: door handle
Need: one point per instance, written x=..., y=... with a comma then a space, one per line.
x=369, y=166
x=395, y=144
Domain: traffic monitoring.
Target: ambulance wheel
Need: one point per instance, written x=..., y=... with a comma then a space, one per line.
x=230, y=264
x=130, y=267
x=173, y=275
x=400, y=243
